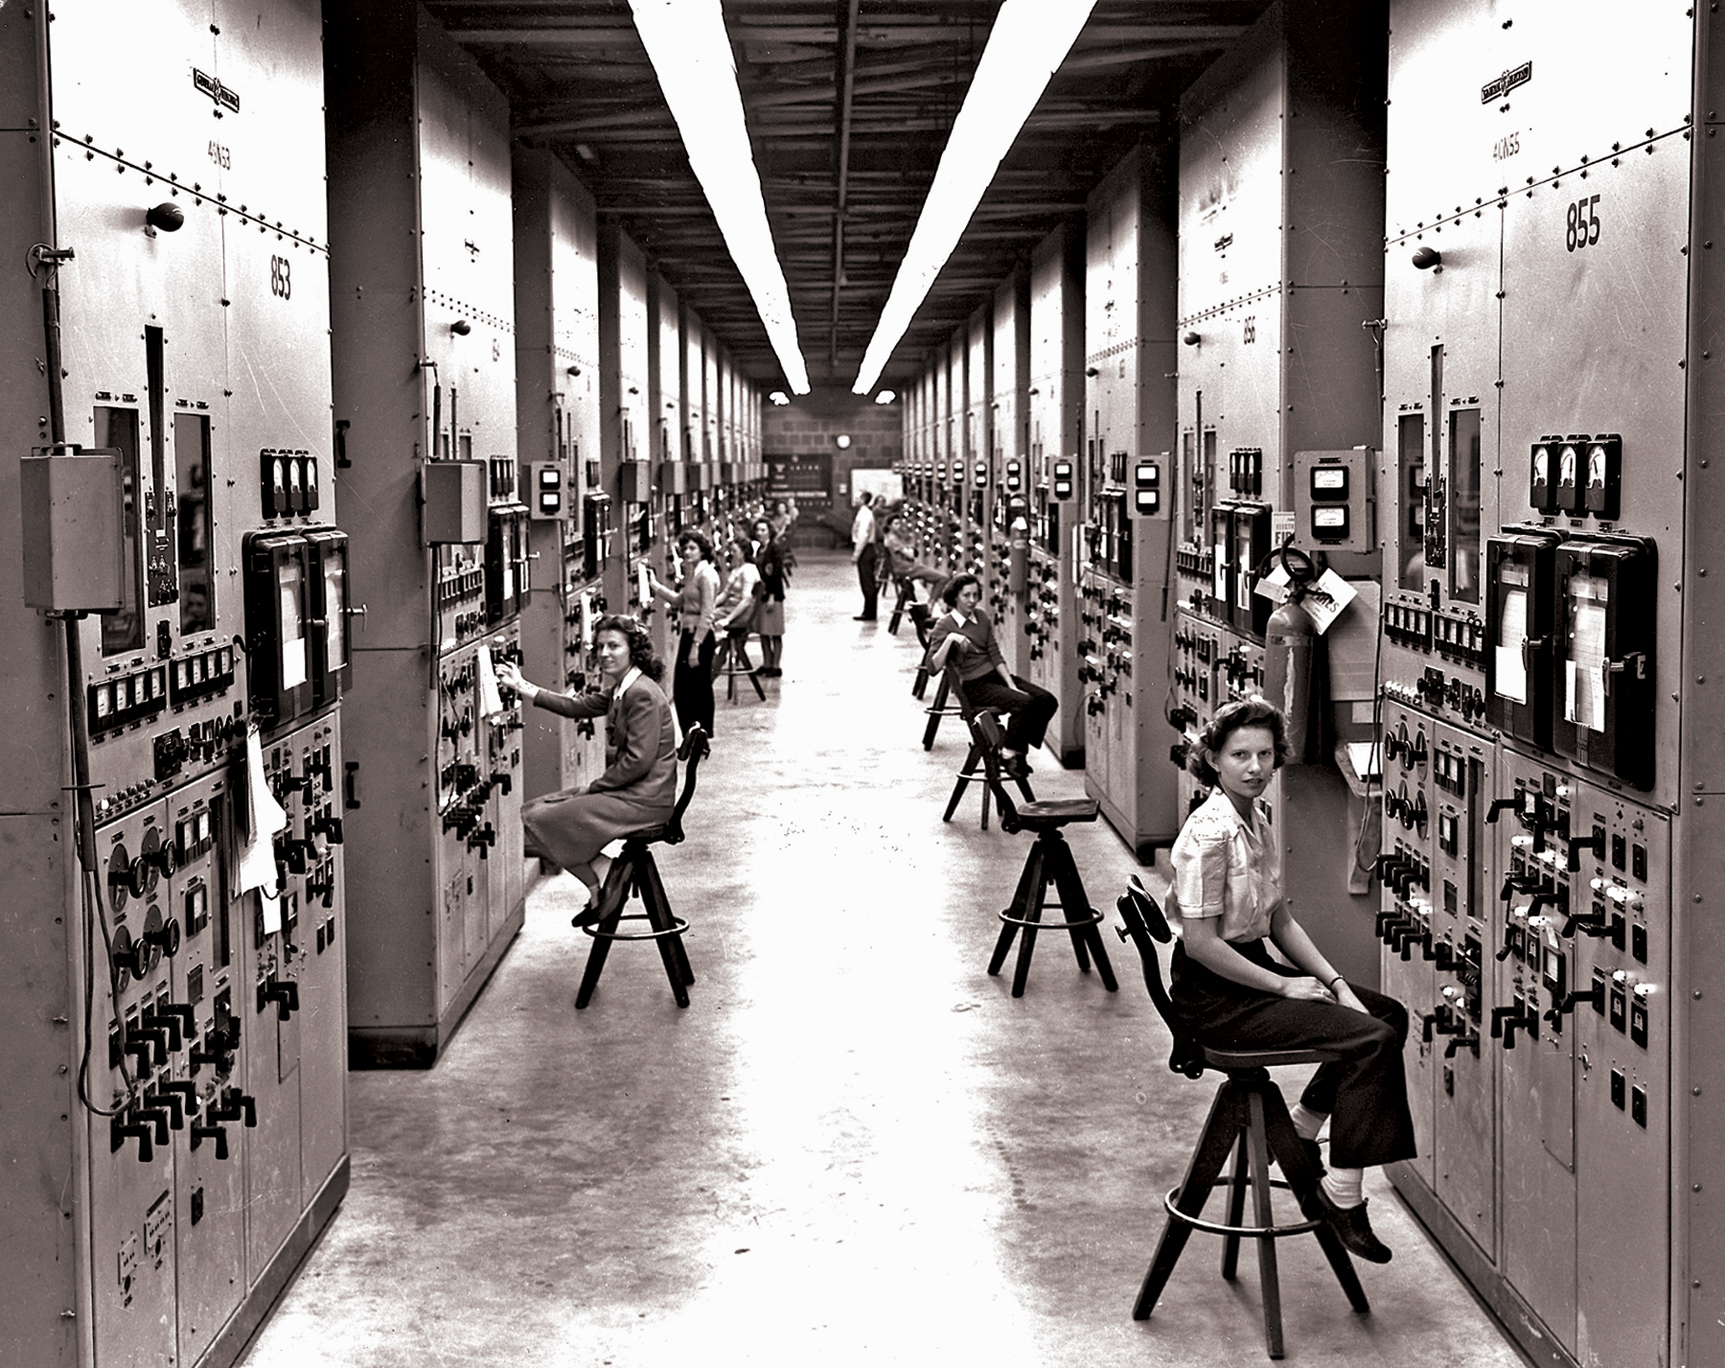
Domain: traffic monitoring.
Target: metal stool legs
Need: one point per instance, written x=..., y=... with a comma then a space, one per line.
x=1050, y=862
x=636, y=873
x=1250, y=1120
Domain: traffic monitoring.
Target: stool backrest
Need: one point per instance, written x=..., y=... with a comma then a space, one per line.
x=955, y=693
x=1145, y=926
x=693, y=750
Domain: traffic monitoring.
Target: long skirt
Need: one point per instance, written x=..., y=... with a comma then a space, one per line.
x=570, y=828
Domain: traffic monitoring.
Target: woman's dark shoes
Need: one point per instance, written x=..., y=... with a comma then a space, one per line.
x=604, y=903
x=1353, y=1228
x=1015, y=767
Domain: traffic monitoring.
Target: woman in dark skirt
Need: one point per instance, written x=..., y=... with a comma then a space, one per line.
x=692, y=681
x=774, y=562
x=639, y=786
x=1236, y=996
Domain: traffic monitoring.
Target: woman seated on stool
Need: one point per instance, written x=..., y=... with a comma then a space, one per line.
x=736, y=604
x=965, y=638
x=639, y=786
x=901, y=561
x=1228, y=890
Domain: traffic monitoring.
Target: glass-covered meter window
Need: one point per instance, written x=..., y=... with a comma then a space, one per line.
x=1584, y=666
x=335, y=609
x=1464, y=477
x=291, y=590
x=122, y=631
x=194, y=531
x=1411, y=485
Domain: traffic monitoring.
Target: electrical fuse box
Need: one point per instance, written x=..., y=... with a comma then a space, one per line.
x=1605, y=593
x=71, y=507
x=1519, y=568
x=454, y=511
x=596, y=530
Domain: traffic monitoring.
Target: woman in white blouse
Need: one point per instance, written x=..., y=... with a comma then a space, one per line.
x=1236, y=995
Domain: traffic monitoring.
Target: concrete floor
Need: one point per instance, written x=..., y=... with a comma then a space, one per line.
x=854, y=1146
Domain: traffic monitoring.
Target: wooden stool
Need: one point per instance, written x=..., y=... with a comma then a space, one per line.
x=919, y=619
x=988, y=758
x=1049, y=862
x=1249, y=1120
x=635, y=872
x=906, y=596
x=948, y=702
x=733, y=660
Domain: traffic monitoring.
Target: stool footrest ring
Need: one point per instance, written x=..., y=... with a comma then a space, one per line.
x=1270, y=1232
x=676, y=928
x=1094, y=917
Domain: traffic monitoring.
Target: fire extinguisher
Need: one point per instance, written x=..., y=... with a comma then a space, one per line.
x=1290, y=640
x=1018, y=558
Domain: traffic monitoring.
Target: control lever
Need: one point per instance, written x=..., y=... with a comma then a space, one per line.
x=1518, y=883
x=157, y=1117
x=134, y=1043
x=283, y=992
x=119, y=1132
x=169, y=1024
x=217, y=1133
x=1462, y=1042
x=236, y=1104
x=171, y=1105
x=1499, y=805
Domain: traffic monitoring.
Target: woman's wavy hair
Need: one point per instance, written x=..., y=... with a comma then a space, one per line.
x=949, y=595
x=1244, y=712
x=742, y=547
x=640, y=644
x=688, y=534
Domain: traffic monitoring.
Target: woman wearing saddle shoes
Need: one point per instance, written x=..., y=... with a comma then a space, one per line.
x=1235, y=996
x=639, y=786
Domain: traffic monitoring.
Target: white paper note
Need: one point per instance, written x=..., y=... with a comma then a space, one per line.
x=1511, y=673
x=272, y=910
x=643, y=584
x=490, y=697
x=1327, y=600
x=1585, y=671
x=293, y=663
x=264, y=818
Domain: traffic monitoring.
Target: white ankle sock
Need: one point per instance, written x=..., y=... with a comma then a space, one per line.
x=1342, y=1186
x=1307, y=1123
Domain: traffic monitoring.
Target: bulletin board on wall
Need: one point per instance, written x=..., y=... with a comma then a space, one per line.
x=808, y=479
x=887, y=486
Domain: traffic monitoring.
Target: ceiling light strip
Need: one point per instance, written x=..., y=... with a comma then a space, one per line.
x=691, y=55
x=1029, y=41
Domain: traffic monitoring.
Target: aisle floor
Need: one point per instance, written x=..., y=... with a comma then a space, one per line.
x=854, y=1146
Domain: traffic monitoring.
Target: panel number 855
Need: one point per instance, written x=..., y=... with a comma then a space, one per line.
x=1583, y=229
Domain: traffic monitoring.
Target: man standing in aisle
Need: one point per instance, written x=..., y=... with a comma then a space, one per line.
x=864, y=553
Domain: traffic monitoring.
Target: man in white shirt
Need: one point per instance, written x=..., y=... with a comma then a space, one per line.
x=864, y=554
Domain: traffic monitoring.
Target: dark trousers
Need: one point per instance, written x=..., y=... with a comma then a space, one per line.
x=1364, y=1093
x=868, y=575
x=1032, y=708
x=692, y=685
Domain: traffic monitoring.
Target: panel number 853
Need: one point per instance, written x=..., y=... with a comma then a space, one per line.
x=1583, y=224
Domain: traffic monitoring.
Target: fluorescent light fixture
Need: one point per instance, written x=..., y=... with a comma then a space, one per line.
x=691, y=55
x=885, y=397
x=1029, y=41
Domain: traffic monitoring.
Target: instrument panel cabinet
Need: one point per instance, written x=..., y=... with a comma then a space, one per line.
x=420, y=154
